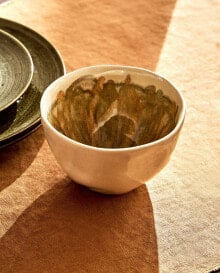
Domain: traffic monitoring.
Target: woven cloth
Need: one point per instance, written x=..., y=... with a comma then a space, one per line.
x=50, y=224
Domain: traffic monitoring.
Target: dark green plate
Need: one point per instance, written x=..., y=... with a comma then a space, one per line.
x=16, y=69
x=22, y=117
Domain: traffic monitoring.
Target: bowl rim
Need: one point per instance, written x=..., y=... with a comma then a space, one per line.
x=44, y=108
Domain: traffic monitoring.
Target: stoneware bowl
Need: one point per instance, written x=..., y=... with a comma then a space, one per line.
x=111, y=170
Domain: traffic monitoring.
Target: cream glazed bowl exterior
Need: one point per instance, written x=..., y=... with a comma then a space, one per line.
x=118, y=170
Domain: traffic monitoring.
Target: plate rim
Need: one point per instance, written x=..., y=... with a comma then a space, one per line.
x=21, y=45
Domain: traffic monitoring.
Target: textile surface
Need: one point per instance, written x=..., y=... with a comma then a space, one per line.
x=50, y=224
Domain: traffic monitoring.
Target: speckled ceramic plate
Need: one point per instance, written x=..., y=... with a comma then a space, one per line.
x=23, y=116
x=16, y=69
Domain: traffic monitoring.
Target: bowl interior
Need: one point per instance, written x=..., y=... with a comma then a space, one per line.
x=112, y=106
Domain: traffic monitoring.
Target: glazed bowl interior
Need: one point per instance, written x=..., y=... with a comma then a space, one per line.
x=124, y=120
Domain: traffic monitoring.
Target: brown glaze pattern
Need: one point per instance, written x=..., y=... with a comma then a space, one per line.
x=110, y=114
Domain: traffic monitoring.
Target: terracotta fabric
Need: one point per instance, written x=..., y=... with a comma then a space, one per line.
x=48, y=223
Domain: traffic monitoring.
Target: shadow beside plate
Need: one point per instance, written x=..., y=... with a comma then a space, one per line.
x=7, y=117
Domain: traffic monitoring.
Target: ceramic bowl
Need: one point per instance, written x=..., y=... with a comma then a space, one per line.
x=111, y=170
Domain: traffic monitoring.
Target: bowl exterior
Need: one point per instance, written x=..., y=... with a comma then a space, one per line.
x=109, y=172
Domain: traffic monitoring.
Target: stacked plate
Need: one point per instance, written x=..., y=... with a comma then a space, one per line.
x=28, y=64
